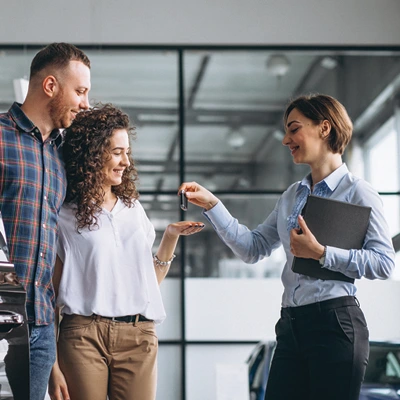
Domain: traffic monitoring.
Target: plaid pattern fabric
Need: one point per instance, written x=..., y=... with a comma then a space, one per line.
x=32, y=190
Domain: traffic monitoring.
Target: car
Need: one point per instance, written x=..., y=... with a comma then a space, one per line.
x=14, y=337
x=381, y=381
x=259, y=363
x=382, y=377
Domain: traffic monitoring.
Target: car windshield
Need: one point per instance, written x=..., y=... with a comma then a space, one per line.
x=384, y=364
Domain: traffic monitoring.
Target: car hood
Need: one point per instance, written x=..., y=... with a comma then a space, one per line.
x=380, y=392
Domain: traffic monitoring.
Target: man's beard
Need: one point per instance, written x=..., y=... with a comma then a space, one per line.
x=59, y=113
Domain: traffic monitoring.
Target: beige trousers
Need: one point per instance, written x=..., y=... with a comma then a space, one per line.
x=101, y=358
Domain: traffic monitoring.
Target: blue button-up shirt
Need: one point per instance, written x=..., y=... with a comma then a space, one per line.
x=374, y=261
x=32, y=190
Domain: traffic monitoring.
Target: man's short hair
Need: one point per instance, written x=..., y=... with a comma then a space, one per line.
x=57, y=55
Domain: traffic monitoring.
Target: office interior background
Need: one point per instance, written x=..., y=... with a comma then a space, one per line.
x=206, y=84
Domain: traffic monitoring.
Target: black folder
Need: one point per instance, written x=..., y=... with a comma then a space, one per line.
x=333, y=223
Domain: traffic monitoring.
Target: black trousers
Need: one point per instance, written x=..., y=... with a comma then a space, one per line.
x=322, y=352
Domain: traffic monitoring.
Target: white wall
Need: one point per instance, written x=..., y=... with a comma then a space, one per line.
x=226, y=22
x=248, y=309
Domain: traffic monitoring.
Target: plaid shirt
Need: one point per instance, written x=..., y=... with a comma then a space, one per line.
x=32, y=190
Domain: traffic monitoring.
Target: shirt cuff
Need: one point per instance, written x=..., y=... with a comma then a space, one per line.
x=336, y=258
x=218, y=216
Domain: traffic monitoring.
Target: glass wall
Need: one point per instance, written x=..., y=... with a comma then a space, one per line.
x=382, y=161
x=214, y=115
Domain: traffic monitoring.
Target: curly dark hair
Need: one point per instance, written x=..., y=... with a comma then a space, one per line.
x=86, y=148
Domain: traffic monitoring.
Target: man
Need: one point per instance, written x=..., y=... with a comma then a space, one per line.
x=33, y=185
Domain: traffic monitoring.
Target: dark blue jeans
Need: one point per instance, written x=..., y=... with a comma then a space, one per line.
x=42, y=357
x=322, y=352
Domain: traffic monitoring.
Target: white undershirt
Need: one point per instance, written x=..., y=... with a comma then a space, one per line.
x=109, y=270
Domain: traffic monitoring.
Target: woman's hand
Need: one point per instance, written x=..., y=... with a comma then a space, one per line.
x=303, y=243
x=168, y=244
x=184, y=228
x=198, y=195
x=58, y=389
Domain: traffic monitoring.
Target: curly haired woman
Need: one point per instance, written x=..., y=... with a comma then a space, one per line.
x=106, y=279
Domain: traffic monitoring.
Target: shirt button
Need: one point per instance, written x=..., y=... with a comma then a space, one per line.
x=45, y=197
x=36, y=283
x=44, y=226
x=41, y=254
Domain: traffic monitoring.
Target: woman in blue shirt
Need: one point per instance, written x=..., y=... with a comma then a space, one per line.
x=322, y=336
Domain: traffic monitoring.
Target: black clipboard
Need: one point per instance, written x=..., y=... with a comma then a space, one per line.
x=333, y=223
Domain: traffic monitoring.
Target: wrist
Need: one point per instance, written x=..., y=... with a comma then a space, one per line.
x=55, y=369
x=161, y=263
x=323, y=256
x=169, y=233
x=211, y=204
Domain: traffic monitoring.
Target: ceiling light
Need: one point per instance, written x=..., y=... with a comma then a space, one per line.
x=278, y=135
x=244, y=183
x=236, y=139
x=329, y=62
x=278, y=65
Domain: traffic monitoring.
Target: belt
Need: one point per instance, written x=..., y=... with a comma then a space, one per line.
x=325, y=305
x=128, y=318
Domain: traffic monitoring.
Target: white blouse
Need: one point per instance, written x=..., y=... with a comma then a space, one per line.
x=109, y=270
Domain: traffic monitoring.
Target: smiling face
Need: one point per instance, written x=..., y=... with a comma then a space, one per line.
x=72, y=95
x=305, y=139
x=117, y=160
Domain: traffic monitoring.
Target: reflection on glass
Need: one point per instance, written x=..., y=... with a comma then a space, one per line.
x=163, y=210
x=208, y=256
x=169, y=382
x=383, y=158
x=144, y=84
x=235, y=100
x=271, y=267
x=391, y=208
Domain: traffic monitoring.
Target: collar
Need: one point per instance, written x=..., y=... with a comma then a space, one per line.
x=332, y=180
x=26, y=125
x=20, y=118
